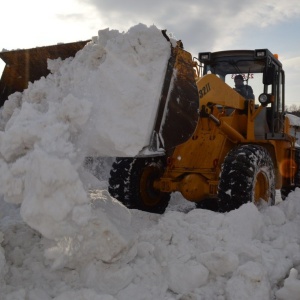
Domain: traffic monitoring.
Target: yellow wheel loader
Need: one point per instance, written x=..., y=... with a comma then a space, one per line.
x=215, y=145
x=221, y=149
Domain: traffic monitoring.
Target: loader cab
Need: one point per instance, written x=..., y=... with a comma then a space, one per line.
x=261, y=70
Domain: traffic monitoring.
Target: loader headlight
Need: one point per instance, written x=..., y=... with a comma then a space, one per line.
x=264, y=99
x=204, y=56
x=261, y=53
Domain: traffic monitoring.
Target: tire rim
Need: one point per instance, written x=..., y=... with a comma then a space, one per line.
x=149, y=195
x=262, y=188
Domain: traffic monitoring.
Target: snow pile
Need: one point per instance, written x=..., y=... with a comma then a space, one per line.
x=115, y=80
x=294, y=120
x=243, y=254
x=294, y=127
x=102, y=103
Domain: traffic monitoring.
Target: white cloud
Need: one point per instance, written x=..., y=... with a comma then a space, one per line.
x=202, y=25
x=35, y=23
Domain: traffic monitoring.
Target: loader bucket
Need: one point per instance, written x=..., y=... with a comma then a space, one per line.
x=177, y=114
x=28, y=65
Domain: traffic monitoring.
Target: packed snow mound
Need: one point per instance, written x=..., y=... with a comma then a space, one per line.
x=102, y=102
x=294, y=120
x=197, y=254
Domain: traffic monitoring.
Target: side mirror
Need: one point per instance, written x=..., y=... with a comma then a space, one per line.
x=268, y=74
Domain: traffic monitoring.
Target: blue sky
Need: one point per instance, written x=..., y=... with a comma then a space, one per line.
x=202, y=25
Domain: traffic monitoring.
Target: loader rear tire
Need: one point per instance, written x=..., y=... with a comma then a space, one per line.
x=135, y=189
x=247, y=175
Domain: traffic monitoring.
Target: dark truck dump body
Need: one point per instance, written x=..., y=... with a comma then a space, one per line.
x=28, y=65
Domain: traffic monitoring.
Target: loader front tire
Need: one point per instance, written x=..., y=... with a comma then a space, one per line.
x=117, y=180
x=247, y=175
x=135, y=190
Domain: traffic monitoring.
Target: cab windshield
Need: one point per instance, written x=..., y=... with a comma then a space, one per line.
x=251, y=70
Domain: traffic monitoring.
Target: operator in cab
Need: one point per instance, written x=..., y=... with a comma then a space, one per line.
x=244, y=90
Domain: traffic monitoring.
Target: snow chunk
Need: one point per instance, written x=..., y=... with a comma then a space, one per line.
x=243, y=224
x=184, y=278
x=250, y=282
x=219, y=262
x=103, y=232
x=291, y=288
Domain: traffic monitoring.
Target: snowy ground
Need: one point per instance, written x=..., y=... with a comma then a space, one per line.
x=63, y=237
x=184, y=254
